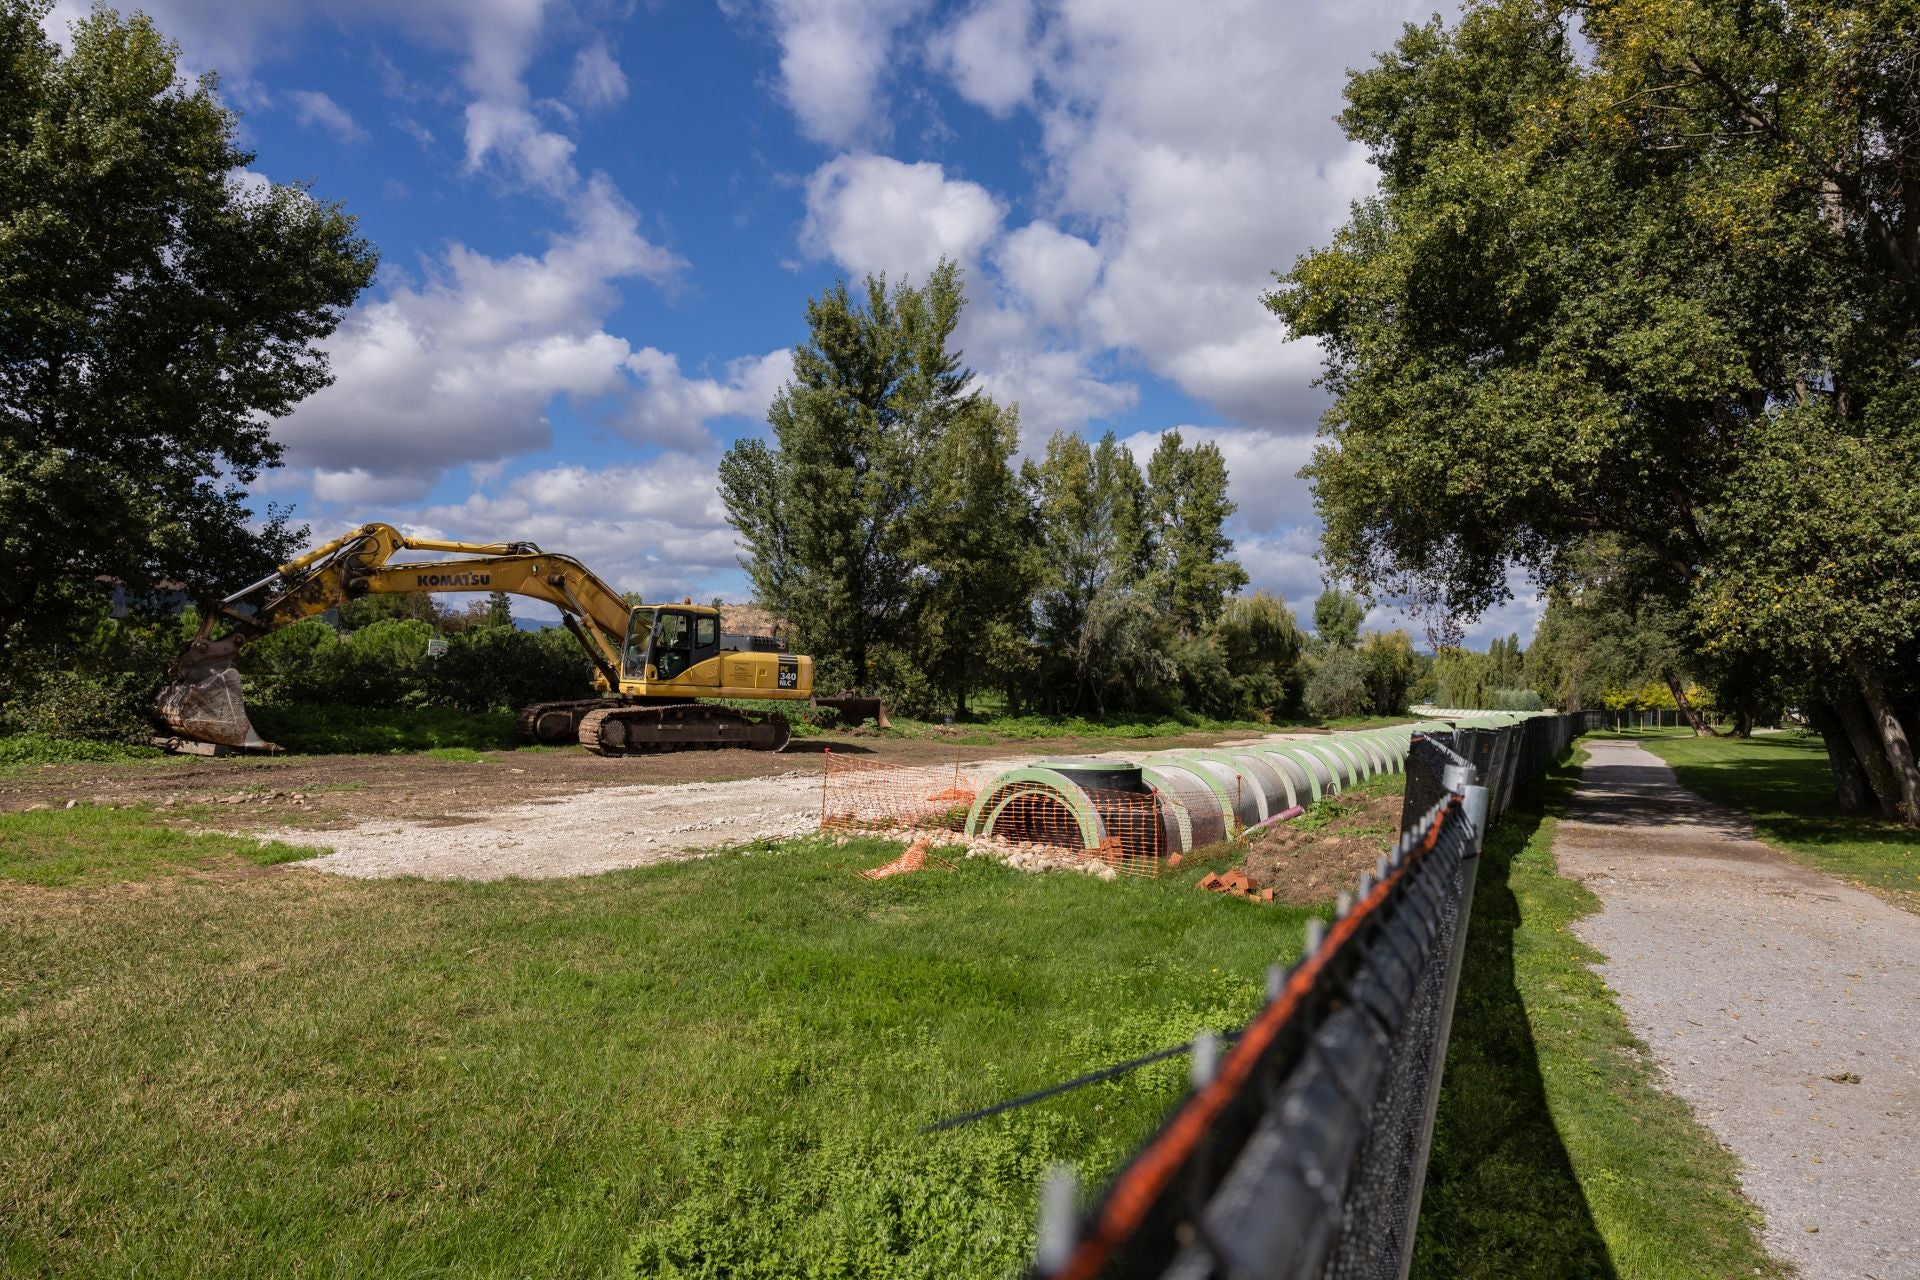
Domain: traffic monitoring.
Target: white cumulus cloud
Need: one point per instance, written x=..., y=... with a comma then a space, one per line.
x=875, y=214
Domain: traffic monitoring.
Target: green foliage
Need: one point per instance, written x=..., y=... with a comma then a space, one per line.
x=1469, y=680
x=1261, y=644
x=1644, y=275
x=1337, y=617
x=309, y=729
x=159, y=315
x=1337, y=685
x=1391, y=667
x=30, y=750
x=1190, y=571
x=504, y=669
x=97, y=680
x=384, y=665
x=973, y=545
x=825, y=512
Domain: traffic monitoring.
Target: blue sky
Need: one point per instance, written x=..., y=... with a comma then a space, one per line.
x=599, y=224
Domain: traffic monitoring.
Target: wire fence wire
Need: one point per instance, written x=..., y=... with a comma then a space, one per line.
x=1303, y=1152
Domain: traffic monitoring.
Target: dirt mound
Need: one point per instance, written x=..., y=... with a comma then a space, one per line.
x=1317, y=855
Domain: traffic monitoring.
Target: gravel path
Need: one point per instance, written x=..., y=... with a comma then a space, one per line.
x=1782, y=1004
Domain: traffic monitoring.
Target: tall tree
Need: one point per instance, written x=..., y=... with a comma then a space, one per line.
x=824, y=512
x=1192, y=567
x=1091, y=543
x=972, y=548
x=156, y=313
x=1336, y=618
x=1594, y=283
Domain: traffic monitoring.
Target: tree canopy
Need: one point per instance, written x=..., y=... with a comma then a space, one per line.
x=1622, y=255
x=159, y=307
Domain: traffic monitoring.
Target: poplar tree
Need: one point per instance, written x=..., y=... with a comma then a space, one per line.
x=1191, y=567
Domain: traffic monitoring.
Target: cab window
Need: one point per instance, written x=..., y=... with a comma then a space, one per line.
x=672, y=645
x=706, y=632
x=633, y=663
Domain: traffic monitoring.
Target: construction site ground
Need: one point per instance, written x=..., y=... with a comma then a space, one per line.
x=536, y=813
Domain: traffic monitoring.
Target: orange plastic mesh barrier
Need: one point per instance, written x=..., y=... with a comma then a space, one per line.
x=864, y=795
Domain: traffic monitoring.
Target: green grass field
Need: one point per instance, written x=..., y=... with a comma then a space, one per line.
x=1783, y=782
x=714, y=1068
x=1556, y=1153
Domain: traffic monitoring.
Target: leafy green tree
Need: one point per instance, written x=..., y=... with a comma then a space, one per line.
x=1090, y=541
x=825, y=511
x=1391, y=667
x=1192, y=571
x=158, y=315
x=1603, y=266
x=500, y=609
x=972, y=548
x=1338, y=684
x=1337, y=617
x=1262, y=646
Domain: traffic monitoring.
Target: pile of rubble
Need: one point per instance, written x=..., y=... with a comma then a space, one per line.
x=1235, y=883
x=1021, y=857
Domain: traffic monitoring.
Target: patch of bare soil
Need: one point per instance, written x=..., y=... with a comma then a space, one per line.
x=1311, y=860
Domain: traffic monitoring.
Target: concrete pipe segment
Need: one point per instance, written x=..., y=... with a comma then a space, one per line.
x=1198, y=797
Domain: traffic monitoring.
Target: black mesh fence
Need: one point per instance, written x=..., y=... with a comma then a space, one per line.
x=1302, y=1151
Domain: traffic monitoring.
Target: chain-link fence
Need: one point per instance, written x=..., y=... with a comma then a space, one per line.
x=1302, y=1149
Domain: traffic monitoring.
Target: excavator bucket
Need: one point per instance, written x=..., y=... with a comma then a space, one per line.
x=855, y=711
x=203, y=704
x=211, y=710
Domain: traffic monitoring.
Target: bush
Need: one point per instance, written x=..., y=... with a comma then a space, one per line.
x=1516, y=700
x=310, y=730
x=70, y=705
x=1338, y=685
x=500, y=668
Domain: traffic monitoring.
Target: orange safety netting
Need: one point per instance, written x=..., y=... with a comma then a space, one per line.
x=864, y=795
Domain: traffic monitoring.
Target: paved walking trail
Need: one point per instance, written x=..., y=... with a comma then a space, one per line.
x=1765, y=991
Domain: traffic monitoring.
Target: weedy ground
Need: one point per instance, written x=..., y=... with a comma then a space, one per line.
x=713, y=1068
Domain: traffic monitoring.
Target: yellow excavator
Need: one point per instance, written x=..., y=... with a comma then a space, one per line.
x=654, y=662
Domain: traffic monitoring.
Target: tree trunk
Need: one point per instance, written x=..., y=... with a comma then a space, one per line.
x=1743, y=724
x=1872, y=757
x=1701, y=729
x=1850, y=786
x=1893, y=735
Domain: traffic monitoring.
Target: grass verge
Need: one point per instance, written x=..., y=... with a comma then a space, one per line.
x=714, y=1068
x=1556, y=1153
x=1783, y=783
x=98, y=844
x=29, y=750
x=322, y=730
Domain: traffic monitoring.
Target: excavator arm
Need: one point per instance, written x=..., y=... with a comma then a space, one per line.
x=203, y=701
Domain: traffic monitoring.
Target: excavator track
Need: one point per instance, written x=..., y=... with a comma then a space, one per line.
x=685, y=726
x=554, y=723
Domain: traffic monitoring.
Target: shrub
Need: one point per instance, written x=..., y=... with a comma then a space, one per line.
x=1338, y=685
x=500, y=668
x=69, y=704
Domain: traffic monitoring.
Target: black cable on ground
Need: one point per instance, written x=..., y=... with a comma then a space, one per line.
x=1067, y=1086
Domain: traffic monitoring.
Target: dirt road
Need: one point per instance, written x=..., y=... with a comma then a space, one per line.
x=1783, y=1005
